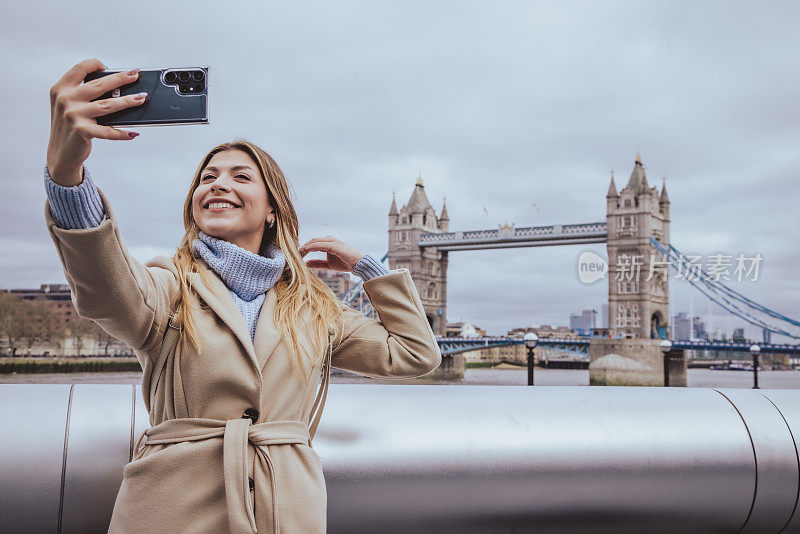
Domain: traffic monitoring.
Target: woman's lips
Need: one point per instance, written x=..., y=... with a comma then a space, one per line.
x=216, y=210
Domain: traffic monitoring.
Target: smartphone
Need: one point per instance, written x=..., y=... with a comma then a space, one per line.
x=174, y=96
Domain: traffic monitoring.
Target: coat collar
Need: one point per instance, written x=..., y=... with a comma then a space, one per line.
x=218, y=297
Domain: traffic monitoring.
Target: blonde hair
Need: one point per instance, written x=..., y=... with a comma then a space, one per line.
x=297, y=285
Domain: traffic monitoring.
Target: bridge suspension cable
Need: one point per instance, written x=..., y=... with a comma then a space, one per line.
x=355, y=292
x=727, y=298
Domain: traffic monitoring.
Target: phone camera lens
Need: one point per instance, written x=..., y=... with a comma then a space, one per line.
x=198, y=75
x=184, y=76
x=183, y=88
x=170, y=77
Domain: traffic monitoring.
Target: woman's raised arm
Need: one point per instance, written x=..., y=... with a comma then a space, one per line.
x=399, y=345
x=128, y=300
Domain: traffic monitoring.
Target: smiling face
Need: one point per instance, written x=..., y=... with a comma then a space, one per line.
x=231, y=201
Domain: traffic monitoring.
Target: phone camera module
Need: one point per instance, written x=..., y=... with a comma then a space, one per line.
x=198, y=75
x=184, y=76
x=170, y=77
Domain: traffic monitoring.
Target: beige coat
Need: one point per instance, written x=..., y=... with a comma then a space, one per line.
x=193, y=468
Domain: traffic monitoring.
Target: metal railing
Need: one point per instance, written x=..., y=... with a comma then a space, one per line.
x=467, y=459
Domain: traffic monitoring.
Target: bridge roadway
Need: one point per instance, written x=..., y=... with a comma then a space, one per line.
x=458, y=345
x=510, y=237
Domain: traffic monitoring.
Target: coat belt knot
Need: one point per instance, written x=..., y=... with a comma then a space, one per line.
x=235, y=434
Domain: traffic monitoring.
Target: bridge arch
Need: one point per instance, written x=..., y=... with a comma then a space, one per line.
x=657, y=326
x=431, y=322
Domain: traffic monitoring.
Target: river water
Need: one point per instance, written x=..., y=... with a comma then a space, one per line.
x=696, y=378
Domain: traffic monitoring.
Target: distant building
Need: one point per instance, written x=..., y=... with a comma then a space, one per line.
x=339, y=282
x=545, y=331
x=58, y=296
x=738, y=335
x=509, y=353
x=699, y=329
x=682, y=326
x=462, y=329
x=59, y=300
x=589, y=318
x=604, y=316
x=583, y=322
x=59, y=319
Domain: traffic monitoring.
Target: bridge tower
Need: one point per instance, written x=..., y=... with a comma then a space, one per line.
x=637, y=307
x=428, y=266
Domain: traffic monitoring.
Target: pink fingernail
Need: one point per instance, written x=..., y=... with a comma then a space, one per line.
x=133, y=72
x=139, y=96
x=132, y=134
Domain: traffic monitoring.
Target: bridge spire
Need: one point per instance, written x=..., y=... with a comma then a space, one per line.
x=418, y=203
x=393, y=209
x=612, y=188
x=444, y=216
x=664, y=198
x=637, y=181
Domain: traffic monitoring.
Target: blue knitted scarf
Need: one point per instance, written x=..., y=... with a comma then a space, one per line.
x=247, y=276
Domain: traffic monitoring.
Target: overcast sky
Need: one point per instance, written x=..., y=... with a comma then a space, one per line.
x=518, y=107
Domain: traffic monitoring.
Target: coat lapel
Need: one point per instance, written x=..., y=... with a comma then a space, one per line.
x=218, y=297
x=220, y=300
x=267, y=332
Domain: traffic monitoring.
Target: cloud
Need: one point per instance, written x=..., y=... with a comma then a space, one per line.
x=498, y=105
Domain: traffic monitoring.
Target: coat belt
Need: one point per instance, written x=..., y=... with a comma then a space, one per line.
x=236, y=433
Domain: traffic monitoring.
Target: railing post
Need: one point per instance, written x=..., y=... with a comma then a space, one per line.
x=531, y=340
x=530, y=367
x=666, y=347
x=755, y=350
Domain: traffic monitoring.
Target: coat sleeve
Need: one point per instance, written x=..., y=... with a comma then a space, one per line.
x=401, y=344
x=130, y=301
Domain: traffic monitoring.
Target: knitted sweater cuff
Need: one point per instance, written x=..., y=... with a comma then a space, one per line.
x=74, y=207
x=369, y=267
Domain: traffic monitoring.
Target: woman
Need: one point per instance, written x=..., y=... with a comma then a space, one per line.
x=233, y=332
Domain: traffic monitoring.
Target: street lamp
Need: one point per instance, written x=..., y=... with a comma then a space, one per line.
x=665, y=347
x=755, y=350
x=531, y=340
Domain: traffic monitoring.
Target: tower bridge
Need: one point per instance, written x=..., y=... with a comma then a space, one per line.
x=636, y=227
x=420, y=241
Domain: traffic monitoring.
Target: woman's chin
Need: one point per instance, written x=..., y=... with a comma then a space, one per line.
x=220, y=231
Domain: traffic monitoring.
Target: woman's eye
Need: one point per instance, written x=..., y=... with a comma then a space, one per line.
x=211, y=177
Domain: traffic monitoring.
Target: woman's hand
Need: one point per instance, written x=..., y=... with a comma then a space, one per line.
x=341, y=257
x=72, y=118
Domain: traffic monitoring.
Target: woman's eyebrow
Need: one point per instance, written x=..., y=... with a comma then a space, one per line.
x=234, y=168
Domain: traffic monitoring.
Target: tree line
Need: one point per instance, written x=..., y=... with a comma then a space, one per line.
x=25, y=323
